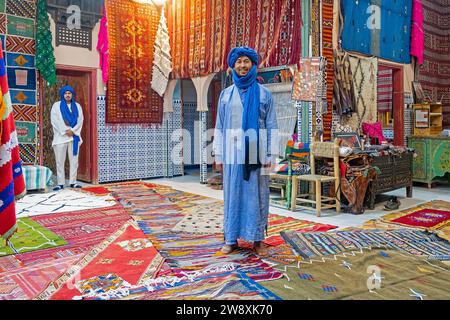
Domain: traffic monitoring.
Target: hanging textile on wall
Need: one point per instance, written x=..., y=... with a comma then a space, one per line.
x=327, y=52
x=132, y=30
x=383, y=30
x=306, y=22
x=162, y=64
x=344, y=94
x=45, y=56
x=310, y=85
x=417, y=36
x=364, y=72
x=316, y=28
x=12, y=183
x=434, y=74
x=288, y=49
x=198, y=33
x=256, y=24
x=385, y=89
x=103, y=48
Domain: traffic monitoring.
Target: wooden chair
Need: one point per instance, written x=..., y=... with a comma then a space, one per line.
x=328, y=150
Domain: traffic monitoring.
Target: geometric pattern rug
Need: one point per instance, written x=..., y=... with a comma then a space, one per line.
x=127, y=257
x=326, y=245
x=376, y=274
x=226, y=286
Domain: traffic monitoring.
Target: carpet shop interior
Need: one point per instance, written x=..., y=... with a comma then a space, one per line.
x=360, y=182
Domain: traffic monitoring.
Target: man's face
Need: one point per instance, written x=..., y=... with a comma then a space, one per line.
x=243, y=66
x=68, y=96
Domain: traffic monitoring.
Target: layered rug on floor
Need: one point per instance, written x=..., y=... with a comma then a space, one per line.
x=375, y=274
x=126, y=258
x=413, y=242
x=23, y=276
x=31, y=236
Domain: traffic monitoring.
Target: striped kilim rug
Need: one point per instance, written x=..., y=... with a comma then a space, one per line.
x=417, y=243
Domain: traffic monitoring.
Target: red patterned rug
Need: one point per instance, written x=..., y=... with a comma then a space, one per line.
x=426, y=218
x=132, y=30
x=127, y=257
x=81, y=229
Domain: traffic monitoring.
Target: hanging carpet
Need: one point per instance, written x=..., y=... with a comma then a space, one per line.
x=132, y=30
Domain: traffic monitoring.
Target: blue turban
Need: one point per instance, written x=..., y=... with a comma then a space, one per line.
x=238, y=52
x=70, y=116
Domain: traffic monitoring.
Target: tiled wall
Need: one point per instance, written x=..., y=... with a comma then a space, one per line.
x=17, y=28
x=130, y=152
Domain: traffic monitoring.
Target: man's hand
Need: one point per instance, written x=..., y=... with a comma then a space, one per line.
x=69, y=133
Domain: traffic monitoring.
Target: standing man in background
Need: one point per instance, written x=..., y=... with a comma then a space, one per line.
x=67, y=121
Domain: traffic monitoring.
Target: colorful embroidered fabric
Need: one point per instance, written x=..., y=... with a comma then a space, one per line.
x=307, y=85
x=132, y=31
x=12, y=182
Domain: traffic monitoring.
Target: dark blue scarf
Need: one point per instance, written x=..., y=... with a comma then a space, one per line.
x=250, y=115
x=70, y=118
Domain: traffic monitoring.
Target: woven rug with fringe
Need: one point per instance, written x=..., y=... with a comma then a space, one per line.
x=132, y=31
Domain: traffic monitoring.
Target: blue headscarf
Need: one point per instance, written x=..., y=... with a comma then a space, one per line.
x=251, y=103
x=70, y=118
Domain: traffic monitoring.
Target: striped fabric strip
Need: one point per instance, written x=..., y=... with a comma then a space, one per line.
x=37, y=177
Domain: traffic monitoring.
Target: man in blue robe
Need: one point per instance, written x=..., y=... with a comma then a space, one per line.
x=244, y=143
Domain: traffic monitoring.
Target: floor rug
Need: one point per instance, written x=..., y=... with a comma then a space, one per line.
x=56, y=202
x=227, y=286
x=430, y=216
x=278, y=224
x=97, y=191
x=25, y=283
x=319, y=245
x=81, y=229
x=371, y=275
x=127, y=257
x=187, y=252
x=31, y=236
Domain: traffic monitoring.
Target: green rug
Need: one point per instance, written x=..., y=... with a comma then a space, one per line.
x=357, y=277
x=31, y=236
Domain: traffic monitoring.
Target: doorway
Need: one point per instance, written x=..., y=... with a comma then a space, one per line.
x=84, y=81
